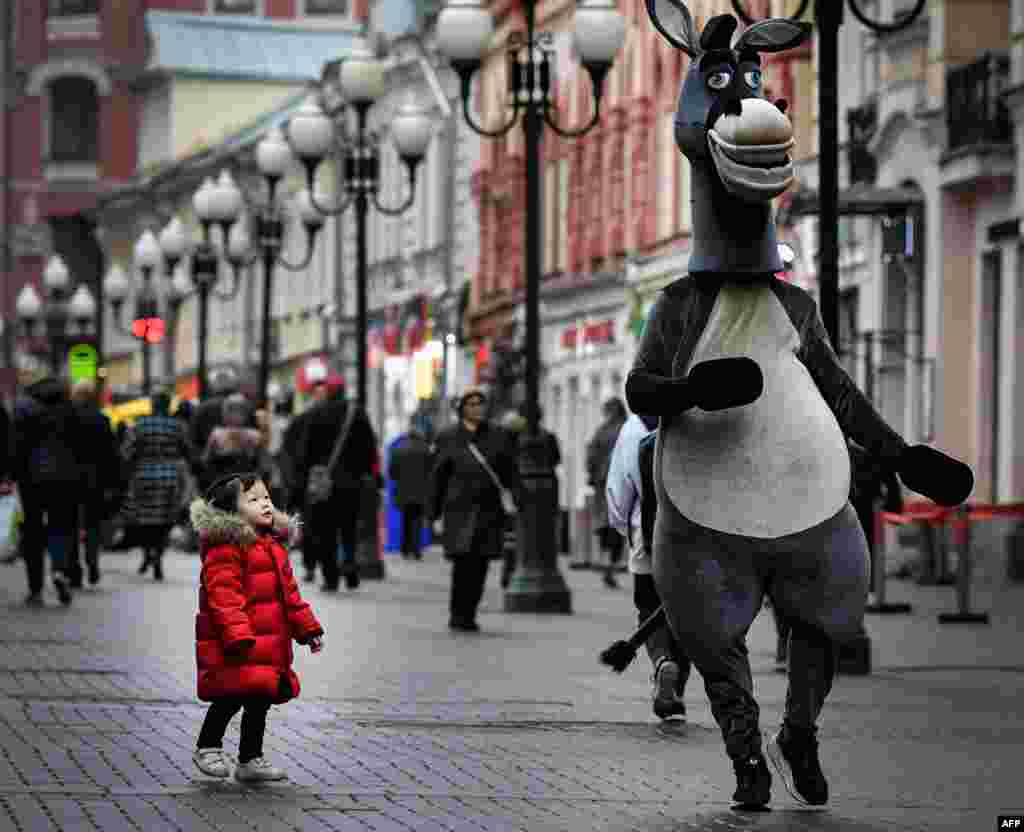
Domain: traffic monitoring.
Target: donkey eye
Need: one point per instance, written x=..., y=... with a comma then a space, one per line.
x=753, y=78
x=719, y=80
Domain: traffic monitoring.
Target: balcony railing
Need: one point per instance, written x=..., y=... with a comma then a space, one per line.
x=975, y=110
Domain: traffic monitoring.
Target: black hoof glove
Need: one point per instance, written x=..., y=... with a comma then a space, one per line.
x=938, y=476
x=725, y=382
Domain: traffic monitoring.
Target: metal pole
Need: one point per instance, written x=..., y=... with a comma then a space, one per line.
x=269, y=256
x=536, y=585
x=362, y=352
x=147, y=376
x=204, y=311
x=829, y=18
x=963, y=587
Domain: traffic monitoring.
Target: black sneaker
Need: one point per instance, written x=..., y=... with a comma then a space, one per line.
x=796, y=761
x=35, y=599
x=753, y=782
x=665, y=697
x=463, y=625
x=62, y=585
x=351, y=580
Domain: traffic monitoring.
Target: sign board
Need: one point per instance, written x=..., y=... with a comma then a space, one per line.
x=82, y=362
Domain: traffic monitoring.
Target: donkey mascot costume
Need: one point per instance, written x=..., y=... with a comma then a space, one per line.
x=752, y=472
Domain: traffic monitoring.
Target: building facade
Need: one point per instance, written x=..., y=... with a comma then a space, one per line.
x=616, y=216
x=213, y=82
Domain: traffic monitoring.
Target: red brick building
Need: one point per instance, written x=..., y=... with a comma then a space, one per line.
x=75, y=73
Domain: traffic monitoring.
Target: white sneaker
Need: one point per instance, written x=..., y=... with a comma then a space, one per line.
x=211, y=761
x=258, y=770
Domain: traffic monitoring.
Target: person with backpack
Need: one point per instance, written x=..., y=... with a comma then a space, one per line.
x=632, y=508
x=46, y=469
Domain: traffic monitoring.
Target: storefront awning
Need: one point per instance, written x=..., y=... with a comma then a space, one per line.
x=857, y=200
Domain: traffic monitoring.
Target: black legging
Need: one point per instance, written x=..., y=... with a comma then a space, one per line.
x=254, y=725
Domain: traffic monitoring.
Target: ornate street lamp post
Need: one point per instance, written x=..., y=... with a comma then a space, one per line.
x=828, y=16
x=312, y=136
x=221, y=204
x=147, y=326
x=464, y=30
x=212, y=199
x=57, y=311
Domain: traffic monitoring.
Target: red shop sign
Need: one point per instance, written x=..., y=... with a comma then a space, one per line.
x=602, y=332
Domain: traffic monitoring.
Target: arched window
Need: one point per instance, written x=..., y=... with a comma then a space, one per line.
x=326, y=7
x=74, y=120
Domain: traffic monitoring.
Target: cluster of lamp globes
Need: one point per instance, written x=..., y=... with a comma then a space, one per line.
x=464, y=32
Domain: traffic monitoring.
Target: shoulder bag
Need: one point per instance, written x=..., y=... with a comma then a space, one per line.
x=508, y=502
x=321, y=477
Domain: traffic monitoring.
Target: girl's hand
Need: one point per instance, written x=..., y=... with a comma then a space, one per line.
x=316, y=644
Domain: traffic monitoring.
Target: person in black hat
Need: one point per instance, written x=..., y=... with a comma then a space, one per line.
x=466, y=497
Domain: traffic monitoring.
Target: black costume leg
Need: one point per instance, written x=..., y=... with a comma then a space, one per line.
x=712, y=591
x=819, y=584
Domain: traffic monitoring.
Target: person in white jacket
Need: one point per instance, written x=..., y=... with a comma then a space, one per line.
x=627, y=503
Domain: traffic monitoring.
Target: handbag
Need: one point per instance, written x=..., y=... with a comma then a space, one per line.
x=320, y=483
x=508, y=502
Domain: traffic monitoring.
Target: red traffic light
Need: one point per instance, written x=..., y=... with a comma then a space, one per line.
x=152, y=329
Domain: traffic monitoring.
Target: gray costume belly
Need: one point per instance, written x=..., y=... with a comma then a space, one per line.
x=774, y=467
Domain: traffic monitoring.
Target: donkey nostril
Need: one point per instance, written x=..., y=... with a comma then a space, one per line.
x=782, y=104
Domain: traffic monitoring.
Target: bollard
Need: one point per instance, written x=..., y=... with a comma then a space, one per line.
x=963, y=584
x=878, y=603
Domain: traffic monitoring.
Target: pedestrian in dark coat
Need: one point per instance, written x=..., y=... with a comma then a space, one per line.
x=100, y=466
x=409, y=466
x=599, y=456
x=45, y=466
x=466, y=499
x=338, y=516
x=154, y=451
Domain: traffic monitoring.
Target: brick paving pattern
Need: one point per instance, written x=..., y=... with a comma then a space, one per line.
x=403, y=726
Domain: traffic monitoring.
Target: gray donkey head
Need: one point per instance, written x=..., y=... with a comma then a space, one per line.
x=737, y=142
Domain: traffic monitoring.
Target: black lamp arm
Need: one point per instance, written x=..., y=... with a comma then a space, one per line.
x=465, y=69
x=597, y=76
x=883, y=28
x=746, y=18
x=311, y=233
x=409, y=198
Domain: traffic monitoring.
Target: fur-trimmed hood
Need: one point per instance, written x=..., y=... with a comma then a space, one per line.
x=216, y=527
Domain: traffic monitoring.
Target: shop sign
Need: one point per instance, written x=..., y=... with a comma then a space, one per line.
x=587, y=334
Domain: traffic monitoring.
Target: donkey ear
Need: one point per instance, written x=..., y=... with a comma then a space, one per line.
x=773, y=35
x=672, y=19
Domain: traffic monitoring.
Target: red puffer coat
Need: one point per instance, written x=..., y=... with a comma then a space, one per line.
x=250, y=609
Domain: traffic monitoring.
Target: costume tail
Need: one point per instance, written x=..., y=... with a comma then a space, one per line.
x=620, y=654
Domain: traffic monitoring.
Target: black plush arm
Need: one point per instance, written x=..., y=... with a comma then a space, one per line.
x=654, y=395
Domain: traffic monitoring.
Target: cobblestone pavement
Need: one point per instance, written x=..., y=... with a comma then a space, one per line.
x=403, y=726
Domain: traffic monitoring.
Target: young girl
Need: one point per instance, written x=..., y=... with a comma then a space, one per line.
x=250, y=609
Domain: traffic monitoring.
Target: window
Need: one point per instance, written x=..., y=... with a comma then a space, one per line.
x=235, y=6
x=74, y=122
x=67, y=8
x=325, y=7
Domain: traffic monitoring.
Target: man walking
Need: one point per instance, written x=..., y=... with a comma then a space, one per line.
x=338, y=515
x=599, y=455
x=409, y=467
x=100, y=466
